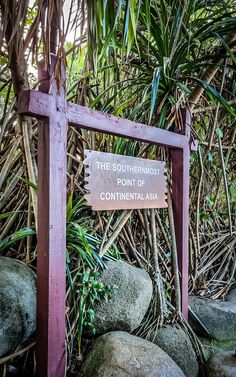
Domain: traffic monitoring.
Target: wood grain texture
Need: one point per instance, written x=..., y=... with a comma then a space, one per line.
x=180, y=198
x=51, y=260
x=36, y=103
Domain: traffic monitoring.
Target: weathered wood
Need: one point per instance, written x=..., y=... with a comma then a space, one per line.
x=124, y=182
x=97, y=121
x=180, y=198
x=51, y=259
x=35, y=104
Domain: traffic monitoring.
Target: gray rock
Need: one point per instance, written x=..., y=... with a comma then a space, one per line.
x=231, y=297
x=177, y=344
x=213, y=346
x=222, y=365
x=129, y=303
x=119, y=354
x=17, y=304
x=219, y=317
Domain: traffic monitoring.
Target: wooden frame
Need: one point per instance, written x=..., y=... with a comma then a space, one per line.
x=54, y=113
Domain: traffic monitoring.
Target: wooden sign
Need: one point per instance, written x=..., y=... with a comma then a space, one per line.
x=123, y=182
x=138, y=186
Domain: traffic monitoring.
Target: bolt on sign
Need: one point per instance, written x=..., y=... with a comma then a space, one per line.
x=123, y=182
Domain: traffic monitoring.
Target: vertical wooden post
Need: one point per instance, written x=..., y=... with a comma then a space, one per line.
x=180, y=197
x=51, y=262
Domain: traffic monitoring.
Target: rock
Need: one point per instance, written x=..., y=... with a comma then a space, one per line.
x=12, y=371
x=130, y=301
x=231, y=297
x=17, y=304
x=119, y=354
x=219, y=317
x=213, y=346
x=222, y=365
x=177, y=344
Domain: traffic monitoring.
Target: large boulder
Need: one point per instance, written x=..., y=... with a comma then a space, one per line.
x=177, y=344
x=130, y=301
x=119, y=354
x=218, y=317
x=222, y=365
x=17, y=304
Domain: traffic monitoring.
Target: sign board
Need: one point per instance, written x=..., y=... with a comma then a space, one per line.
x=123, y=182
x=115, y=182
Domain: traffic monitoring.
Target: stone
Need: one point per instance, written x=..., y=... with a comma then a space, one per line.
x=231, y=297
x=119, y=354
x=130, y=301
x=222, y=365
x=17, y=304
x=213, y=346
x=218, y=317
x=177, y=344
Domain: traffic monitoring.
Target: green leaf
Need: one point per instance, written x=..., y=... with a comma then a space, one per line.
x=91, y=327
x=210, y=157
x=29, y=183
x=209, y=201
x=14, y=237
x=228, y=49
x=7, y=214
x=216, y=95
x=91, y=314
x=155, y=86
x=219, y=132
x=86, y=276
x=183, y=87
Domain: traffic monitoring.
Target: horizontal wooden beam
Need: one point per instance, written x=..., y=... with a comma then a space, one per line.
x=34, y=103
x=94, y=120
x=37, y=104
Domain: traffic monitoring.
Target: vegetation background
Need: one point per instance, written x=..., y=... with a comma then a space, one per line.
x=142, y=60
